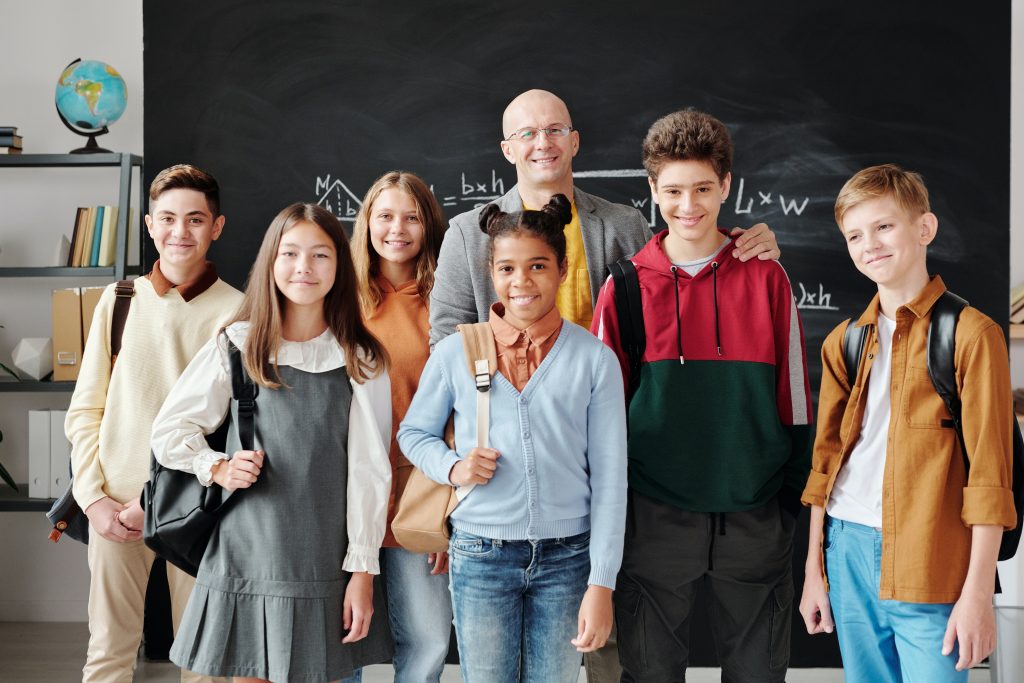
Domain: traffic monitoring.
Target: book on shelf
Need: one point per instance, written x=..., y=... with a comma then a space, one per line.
x=97, y=235
x=1017, y=296
x=10, y=150
x=8, y=130
x=85, y=248
x=79, y=213
x=10, y=141
x=108, y=238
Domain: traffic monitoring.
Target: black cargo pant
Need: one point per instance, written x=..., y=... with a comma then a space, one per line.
x=742, y=560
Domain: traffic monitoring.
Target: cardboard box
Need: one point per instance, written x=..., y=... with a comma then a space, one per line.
x=90, y=297
x=39, y=454
x=60, y=454
x=67, y=334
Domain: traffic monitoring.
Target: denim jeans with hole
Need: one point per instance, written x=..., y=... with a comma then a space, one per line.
x=420, y=610
x=881, y=640
x=516, y=607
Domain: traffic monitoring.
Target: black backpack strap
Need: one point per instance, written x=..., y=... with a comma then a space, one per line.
x=124, y=290
x=629, y=310
x=243, y=390
x=853, y=349
x=941, y=368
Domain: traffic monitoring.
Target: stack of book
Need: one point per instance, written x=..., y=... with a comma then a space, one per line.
x=10, y=141
x=94, y=240
x=1017, y=304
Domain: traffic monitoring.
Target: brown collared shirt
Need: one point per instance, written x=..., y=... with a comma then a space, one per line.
x=520, y=352
x=928, y=505
x=188, y=290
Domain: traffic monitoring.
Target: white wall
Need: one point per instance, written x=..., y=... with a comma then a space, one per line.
x=39, y=580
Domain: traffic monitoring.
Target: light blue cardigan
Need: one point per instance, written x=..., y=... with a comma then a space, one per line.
x=562, y=442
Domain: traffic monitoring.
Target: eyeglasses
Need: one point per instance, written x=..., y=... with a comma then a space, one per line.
x=530, y=134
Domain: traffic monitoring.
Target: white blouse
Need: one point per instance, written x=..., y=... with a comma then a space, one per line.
x=201, y=399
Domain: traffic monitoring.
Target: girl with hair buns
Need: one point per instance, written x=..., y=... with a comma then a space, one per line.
x=537, y=544
x=395, y=242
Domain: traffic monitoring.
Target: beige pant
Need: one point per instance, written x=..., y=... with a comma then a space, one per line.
x=119, y=573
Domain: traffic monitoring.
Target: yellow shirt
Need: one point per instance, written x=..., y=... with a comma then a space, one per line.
x=575, y=302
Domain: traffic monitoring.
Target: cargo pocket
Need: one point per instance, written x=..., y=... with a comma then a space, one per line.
x=629, y=622
x=780, y=626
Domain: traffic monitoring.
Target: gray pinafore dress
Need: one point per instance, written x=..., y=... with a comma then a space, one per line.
x=268, y=598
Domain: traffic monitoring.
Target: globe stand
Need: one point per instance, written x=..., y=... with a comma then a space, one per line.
x=90, y=147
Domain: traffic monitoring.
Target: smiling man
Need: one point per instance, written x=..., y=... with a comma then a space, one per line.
x=174, y=310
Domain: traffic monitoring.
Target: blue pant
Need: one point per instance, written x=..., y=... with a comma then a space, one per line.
x=420, y=609
x=881, y=640
x=516, y=607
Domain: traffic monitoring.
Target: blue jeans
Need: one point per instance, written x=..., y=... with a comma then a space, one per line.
x=881, y=640
x=516, y=607
x=420, y=609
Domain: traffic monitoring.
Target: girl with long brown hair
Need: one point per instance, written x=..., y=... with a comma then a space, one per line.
x=395, y=243
x=285, y=590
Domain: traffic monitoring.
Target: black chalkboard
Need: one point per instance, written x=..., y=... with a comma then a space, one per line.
x=312, y=100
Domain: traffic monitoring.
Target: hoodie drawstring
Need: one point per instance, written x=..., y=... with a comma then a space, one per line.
x=718, y=336
x=679, y=316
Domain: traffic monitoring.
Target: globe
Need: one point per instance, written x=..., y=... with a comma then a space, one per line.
x=91, y=94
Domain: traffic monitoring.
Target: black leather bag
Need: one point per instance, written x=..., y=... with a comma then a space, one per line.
x=181, y=513
x=67, y=517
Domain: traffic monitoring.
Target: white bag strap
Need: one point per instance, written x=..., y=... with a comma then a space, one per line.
x=481, y=353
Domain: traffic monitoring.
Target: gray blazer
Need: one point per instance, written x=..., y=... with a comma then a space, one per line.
x=463, y=292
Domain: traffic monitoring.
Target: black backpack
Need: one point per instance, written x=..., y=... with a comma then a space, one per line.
x=629, y=310
x=941, y=371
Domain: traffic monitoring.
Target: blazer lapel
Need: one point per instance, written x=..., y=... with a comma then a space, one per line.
x=592, y=226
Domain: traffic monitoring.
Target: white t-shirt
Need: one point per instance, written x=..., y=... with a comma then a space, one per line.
x=857, y=494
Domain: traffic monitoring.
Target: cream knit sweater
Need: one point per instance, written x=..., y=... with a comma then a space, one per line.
x=111, y=414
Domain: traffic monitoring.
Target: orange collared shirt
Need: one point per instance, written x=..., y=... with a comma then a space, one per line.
x=927, y=506
x=520, y=352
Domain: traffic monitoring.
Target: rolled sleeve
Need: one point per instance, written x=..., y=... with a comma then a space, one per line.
x=816, y=489
x=989, y=505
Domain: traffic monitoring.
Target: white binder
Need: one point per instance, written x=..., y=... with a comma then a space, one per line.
x=39, y=454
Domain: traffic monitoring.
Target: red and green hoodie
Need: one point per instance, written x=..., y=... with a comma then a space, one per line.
x=721, y=420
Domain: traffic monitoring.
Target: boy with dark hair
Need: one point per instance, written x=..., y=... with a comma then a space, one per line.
x=174, y=310
x=719, y=426
x=909, y=544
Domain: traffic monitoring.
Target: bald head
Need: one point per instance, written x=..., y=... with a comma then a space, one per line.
x=534, y=105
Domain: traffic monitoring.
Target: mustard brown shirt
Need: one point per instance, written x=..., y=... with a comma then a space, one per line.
x=927, y=506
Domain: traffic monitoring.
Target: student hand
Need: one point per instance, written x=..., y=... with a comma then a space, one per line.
x=595, y=619
x=240, y=472
x=815, y=607
x=440, y=562
x=103, y=518
x=972, y=623
x=358, y=607
x=132, y=515
x=758, y=241
x=476, y=468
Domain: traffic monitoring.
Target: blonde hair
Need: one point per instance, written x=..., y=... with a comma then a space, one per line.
x=905, y=187
x=263, y=303
x=365, y=257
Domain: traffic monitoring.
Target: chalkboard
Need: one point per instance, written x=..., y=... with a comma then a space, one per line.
x=310, y=101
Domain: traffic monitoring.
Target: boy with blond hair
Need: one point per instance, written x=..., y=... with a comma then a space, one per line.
x=903, y=544
x=174, y=310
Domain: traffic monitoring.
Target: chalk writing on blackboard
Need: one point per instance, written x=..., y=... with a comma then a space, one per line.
x=789, y=206
x=335, y=196
x=814, y=301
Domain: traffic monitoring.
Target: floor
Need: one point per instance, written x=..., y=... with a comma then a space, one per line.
x=55, y=652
